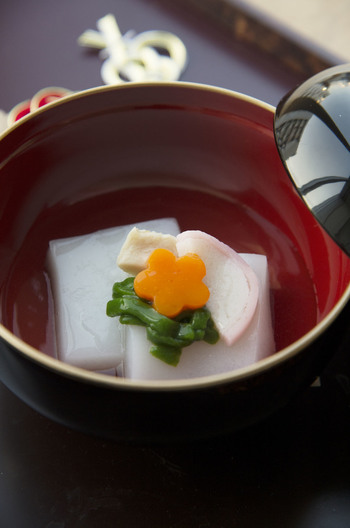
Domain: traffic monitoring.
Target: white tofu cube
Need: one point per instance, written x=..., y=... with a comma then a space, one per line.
x=83, y=270
x=200, y=358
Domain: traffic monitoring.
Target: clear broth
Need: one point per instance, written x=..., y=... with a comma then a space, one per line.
x=28, y=307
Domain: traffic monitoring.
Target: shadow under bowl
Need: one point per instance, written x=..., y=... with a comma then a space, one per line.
x=119, y=155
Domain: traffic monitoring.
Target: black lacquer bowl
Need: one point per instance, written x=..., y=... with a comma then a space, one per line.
x=118, y=155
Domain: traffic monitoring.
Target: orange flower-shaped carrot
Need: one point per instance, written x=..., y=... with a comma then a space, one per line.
x=172, y=284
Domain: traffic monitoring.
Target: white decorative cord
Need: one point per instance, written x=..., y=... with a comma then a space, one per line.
x=142, y=57
x=147, y=56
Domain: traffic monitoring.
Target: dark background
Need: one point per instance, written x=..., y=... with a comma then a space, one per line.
x=291, y=471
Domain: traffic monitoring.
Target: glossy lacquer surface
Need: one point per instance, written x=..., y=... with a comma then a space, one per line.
x=115, y=156
x=312, y=127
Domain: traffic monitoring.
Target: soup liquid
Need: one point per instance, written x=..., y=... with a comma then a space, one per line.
x=28, y=305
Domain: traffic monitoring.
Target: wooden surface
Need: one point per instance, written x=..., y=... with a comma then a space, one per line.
x=305, y=36
x=323, y=24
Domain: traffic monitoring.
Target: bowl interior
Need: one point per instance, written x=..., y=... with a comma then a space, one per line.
x=114, y=156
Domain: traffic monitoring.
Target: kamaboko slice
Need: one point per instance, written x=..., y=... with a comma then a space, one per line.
x=233, y=285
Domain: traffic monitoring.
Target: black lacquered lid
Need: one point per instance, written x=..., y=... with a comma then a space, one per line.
x=312, y=131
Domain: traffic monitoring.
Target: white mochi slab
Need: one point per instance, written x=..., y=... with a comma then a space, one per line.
x=82, y=271
x=202, y=359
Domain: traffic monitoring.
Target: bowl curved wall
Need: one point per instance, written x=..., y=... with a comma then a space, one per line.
x=119, y=155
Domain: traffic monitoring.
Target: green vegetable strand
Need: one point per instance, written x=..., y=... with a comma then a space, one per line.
x=168, y=336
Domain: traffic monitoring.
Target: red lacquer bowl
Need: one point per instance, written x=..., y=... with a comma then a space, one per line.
x=119, y=155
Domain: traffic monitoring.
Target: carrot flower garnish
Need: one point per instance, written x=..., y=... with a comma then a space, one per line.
x=173, y=284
